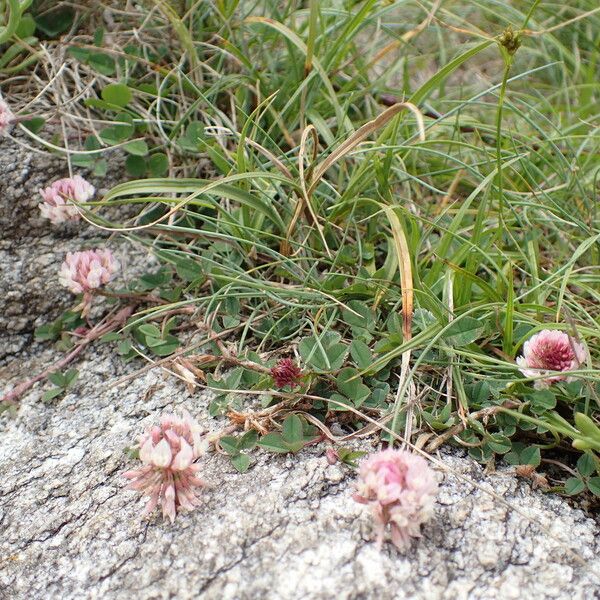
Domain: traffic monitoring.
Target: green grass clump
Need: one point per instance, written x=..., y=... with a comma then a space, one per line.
x=398, y=194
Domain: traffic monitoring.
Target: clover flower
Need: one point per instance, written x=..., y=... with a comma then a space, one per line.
x=7, y=117
x=85, y=271
x=58, y=198
x=549, y=351
x=400, y=488
x=168, y=474
x=286, y=372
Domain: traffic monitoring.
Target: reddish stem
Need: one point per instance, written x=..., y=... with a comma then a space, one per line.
x=98, y=331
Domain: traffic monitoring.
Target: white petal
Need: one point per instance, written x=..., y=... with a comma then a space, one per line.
x=94, y=277
x=162, y=455
x=184, y=457
x=580, y=353
x=146, y=451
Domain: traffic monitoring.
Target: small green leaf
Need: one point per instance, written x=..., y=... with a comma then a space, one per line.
x=136, y=165
x=586, y=465
x=349, y=456
x=574, y=485
x=234, y=377
x=55, y=22
x=324, y=353
x=153, y=342
x=166, y=348
x=477, y=426
x=241, y=462
x=594, y=485
x=34, y=124
x=70, y=376
x=499, y=443
x=53, y=393
x=360, y=315
x=26, y=27
x=273, y=442
x=172, y=295
x=112, y=336
x=463, y=331
x=541, y=401
x=65, y=343
x=193, y=134
x=218, y=407
x=379, y=395
x=478, y=393
x=121, y=129
x=102, y=63
x=230, y=322
x=216, y=156
x=133, y=453
x=117, y=93
x=216, y=384
x=336, y=354
x=149, y=281
x=124, y=347
x=422, y=319
x=137, y=147
x=188, y=269
x=158, y=164
x=482, y=454
x=513, y=458
x=97, y=103
x=100, y=168
x=48, y=332
x=340, y=402
x=531, y=456
x=58, y=379
x=149, y=329
x=230, y=444
x=361, y=354
x=248, y=440
x=98, y=36
x=292, y=429
x=350, y=385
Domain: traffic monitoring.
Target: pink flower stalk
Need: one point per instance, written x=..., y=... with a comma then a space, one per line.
x=168, y=475
x=549, y=351
x=7, y=117
x=286, y=372
x=400, y=487
x=58, y=198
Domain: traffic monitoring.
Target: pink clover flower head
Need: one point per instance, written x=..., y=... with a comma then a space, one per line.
x=57, y=198
x=7, y=117
x=550, y=351
x=87, y=270
x=168, y=474
x=286, y=372
x=400, y=488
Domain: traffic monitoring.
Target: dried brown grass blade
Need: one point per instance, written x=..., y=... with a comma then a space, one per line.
x=304, y=204
x=360, y=134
